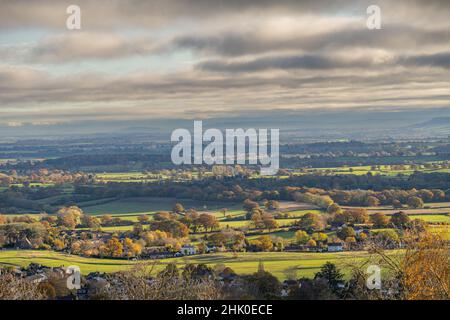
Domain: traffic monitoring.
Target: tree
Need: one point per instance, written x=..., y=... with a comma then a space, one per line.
x=357, y=215
x=312, y=289
x=224, y=212
x=351, y=216
x=268, y=221
x=379, y=220
x=131, y=248
x=272, y=205
x=425, y=195
x=331, y=274
x=162, y=215
x=334, y=209
x=114, y=248
x=389, y=237
x=311, y=243
x=175, y=228
x=350, y=240
x=257, y=219
x=415, y=202
x=249, y=205
x=217, y=239
x=270, y=224
x=59, y=244
x=301, y=236
x=90, y=222
x=396, y=204
x=69, y=217
x=263, y=243
x=190, y=219
x=320, y=236
x=208, y=221
x=421, y=272
x=311, y=222
x=16, y=288
x=143, y=218
x=400, y=219
x=178, y=208
x=372, y=201
x=263, y=285
x=106, y=219
x=346, y=232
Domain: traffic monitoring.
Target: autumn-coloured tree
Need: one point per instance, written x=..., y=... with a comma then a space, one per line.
x=372, y=201
x=311, y=222
x=69, y=217
x=114, y=248
x=208, y=221
x=178, y=208
x=420, y=272
x=301, y=236
x=143, y=218
x=379, y=220
x=269, y=222
x=59, y=244
x=415, y=202
x=400, y=219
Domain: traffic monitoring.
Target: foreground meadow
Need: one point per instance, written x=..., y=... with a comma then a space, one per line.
x=281, y=264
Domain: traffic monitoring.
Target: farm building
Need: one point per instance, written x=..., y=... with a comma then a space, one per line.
x=188, y=250
x=335, y=247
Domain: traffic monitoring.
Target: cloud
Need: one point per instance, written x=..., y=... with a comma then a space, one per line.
x=209, y=56
x=441, y=60
x=108, y=14
x=78, y=47
x=313, y=62
x=350, y=35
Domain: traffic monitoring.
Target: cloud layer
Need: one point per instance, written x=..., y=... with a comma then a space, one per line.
x=205, y=58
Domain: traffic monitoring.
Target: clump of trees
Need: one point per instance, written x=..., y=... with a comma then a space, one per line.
x=15, y=288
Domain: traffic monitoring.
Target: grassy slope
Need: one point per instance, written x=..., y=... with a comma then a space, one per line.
x=305, y=264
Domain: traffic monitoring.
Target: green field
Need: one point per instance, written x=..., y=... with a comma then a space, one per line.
x=362, y=170
x=442, y=231
x=431, y=217
x=248, y=223
x=278, y=263
x=136, y=206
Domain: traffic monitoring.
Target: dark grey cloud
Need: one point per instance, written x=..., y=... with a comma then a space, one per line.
x=323, y=62
x=441, y=60
x=313, y=62
x=390, y=37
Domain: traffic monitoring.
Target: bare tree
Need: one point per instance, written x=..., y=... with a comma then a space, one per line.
x=15, y=288
x=142, y=283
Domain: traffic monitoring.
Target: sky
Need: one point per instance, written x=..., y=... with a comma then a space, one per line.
x=199, y=59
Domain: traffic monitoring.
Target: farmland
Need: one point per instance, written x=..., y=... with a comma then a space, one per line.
x=279, y=263
x=384, y=170
x=137, y=206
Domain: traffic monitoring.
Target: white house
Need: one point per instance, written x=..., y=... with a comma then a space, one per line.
x=335, y=247
x=188, y=250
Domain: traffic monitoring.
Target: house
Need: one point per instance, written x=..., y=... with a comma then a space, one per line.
x=36, y=278
x=188, y=250
x=209, y=249
x=335, y=247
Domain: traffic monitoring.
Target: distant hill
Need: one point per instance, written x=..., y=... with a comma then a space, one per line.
x=434, y=122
